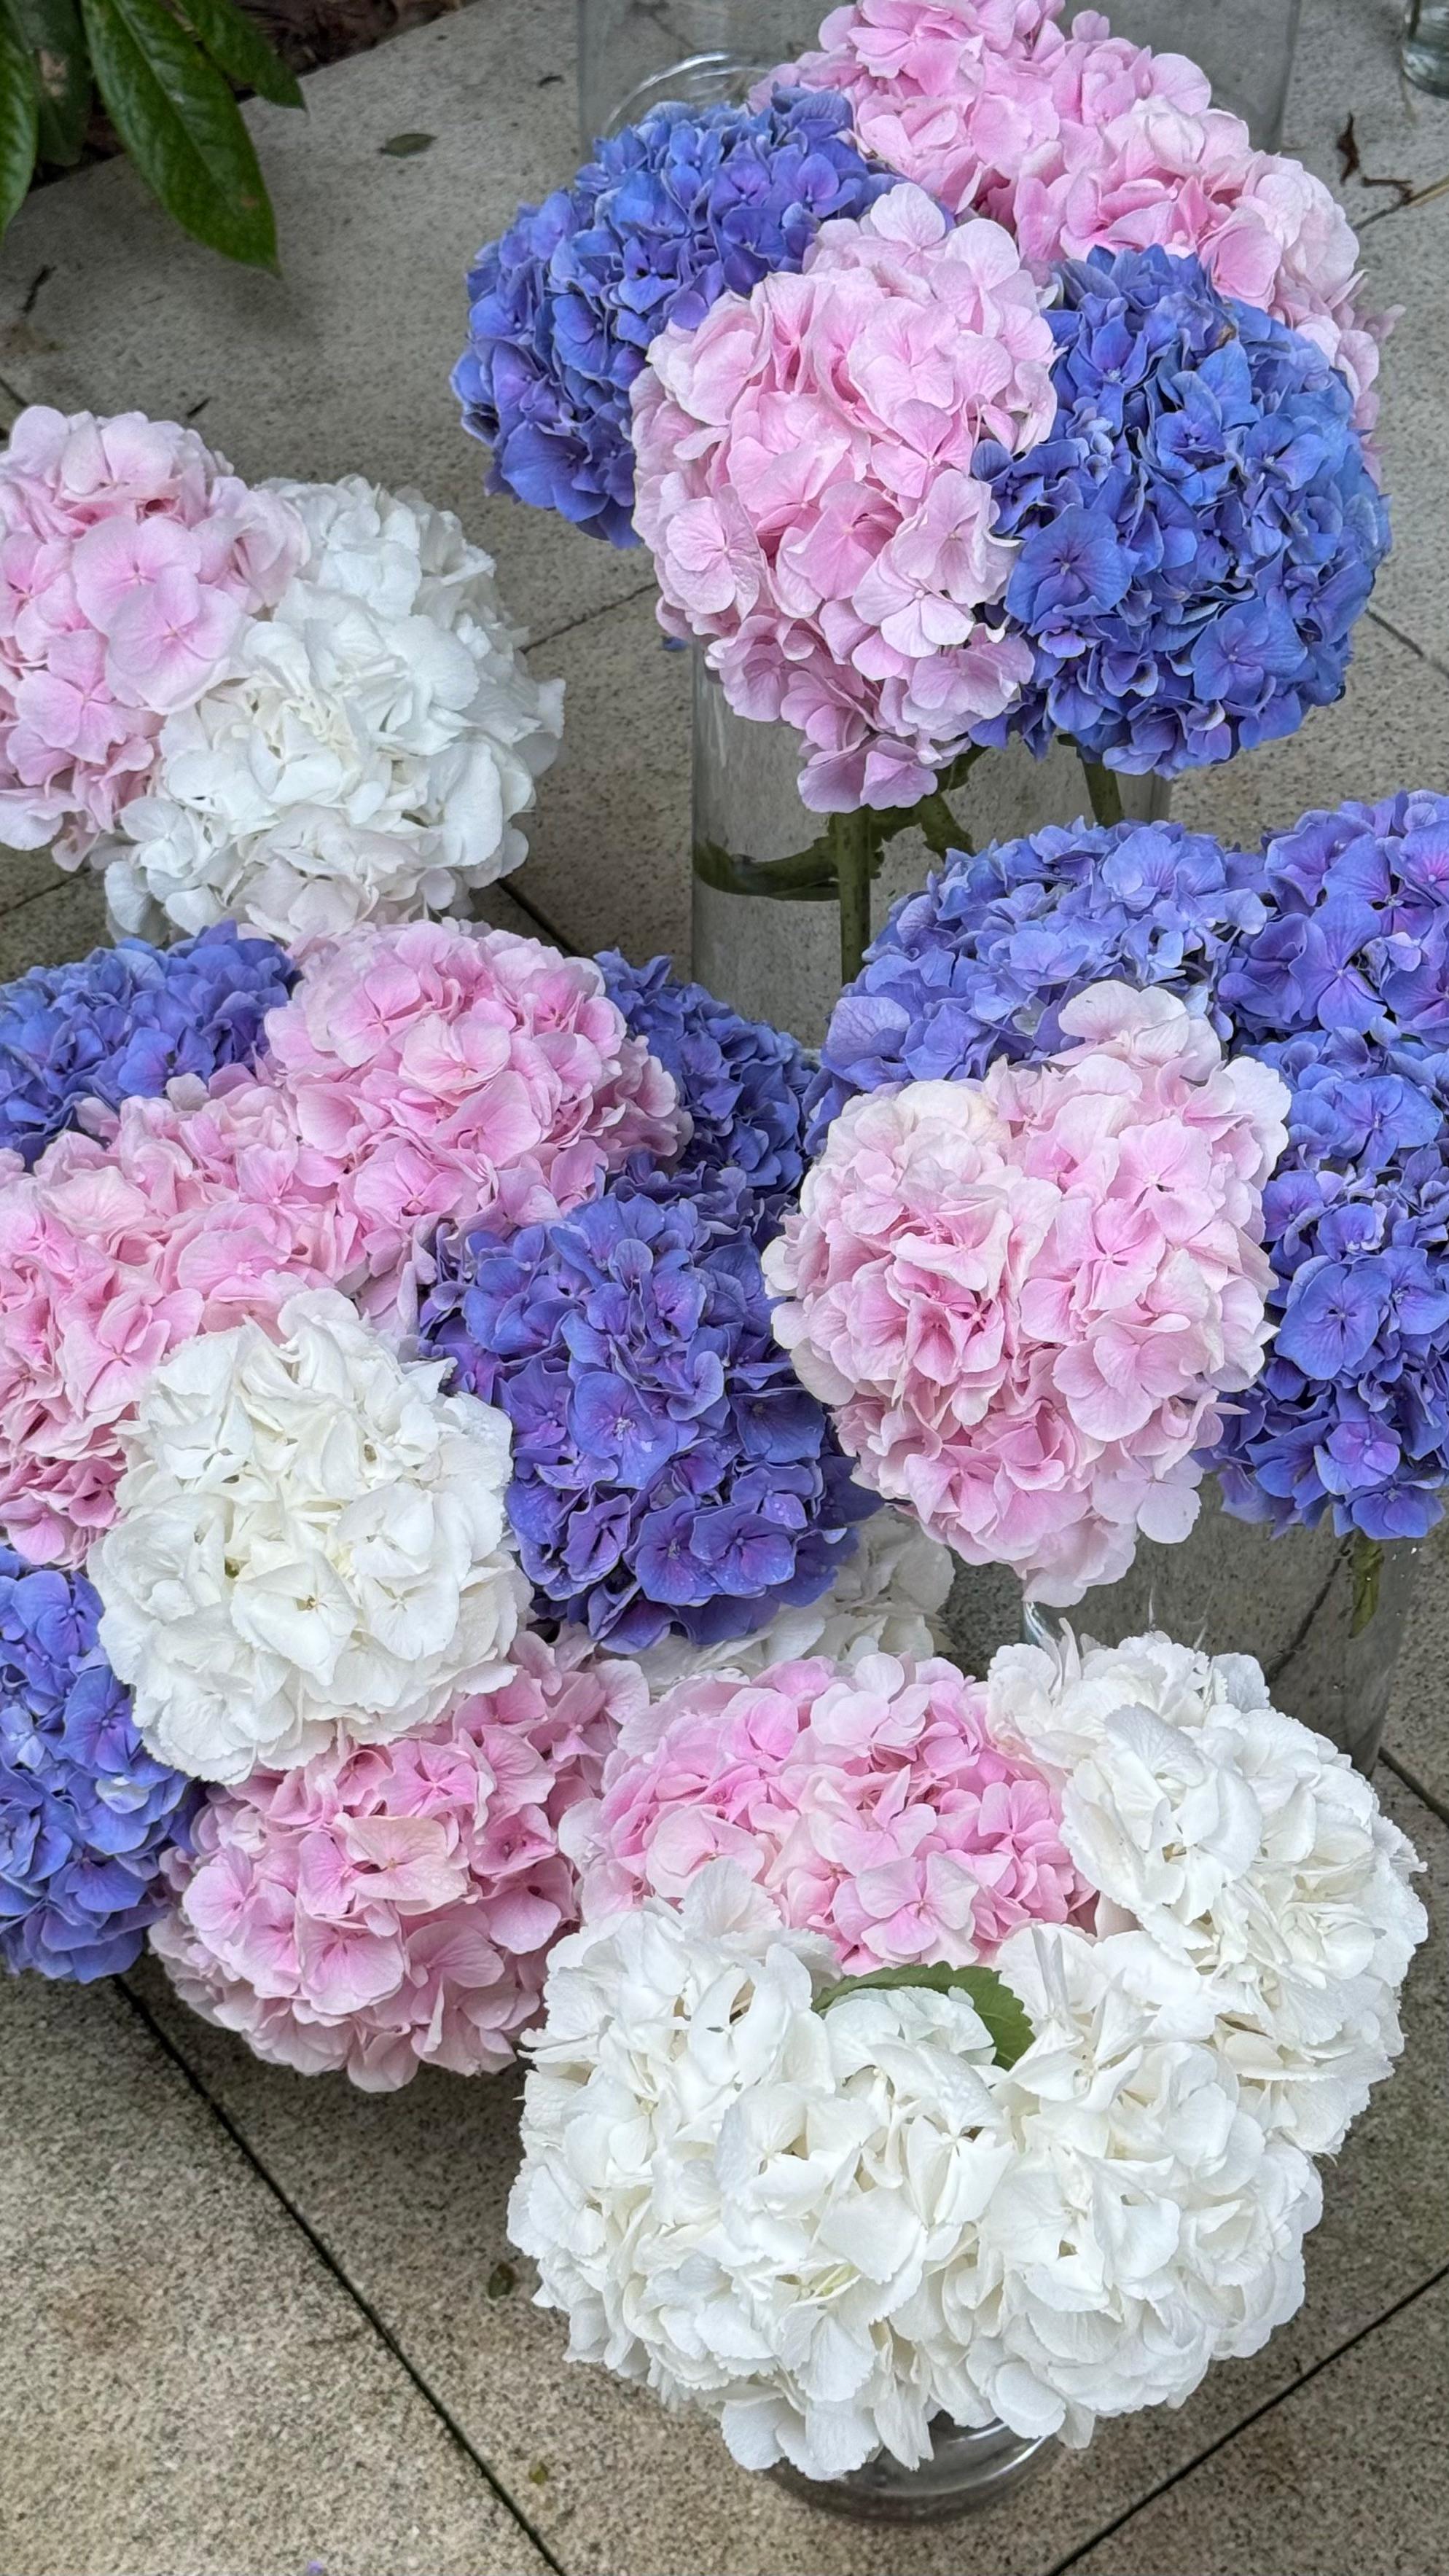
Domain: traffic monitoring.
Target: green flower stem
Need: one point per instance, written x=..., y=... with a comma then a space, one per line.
x=1104, y=791
x=856, y=844
x=1366, y=1561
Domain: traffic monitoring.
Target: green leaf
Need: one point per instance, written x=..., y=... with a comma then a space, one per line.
x=180, y=125
x=402, y=147
x=50, y=31
x=238, y=48
x=19, y=123
x=1011, y=2032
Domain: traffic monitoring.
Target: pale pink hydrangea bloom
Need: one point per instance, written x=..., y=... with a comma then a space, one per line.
x=805, y=485
x=1023, y=1296
x=393, y=1906
x=198, y=1212
x=130, y=559
x=1079, y=139
x=872, y=1805
x=449, y=1073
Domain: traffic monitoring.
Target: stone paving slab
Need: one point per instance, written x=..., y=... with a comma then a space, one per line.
x=1351, y=2471
x=188, y=2388
x=409, y=2193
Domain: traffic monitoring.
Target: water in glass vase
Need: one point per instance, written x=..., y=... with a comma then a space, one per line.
x=967, y=2471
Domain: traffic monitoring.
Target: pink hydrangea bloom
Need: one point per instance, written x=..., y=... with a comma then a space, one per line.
x=393, y=1906
x=130, y=559
x=872, y=1804
x=448, y=1073
x=1078, y=139
x=805, y=485
x=198, y=1212
x=1024, y=1295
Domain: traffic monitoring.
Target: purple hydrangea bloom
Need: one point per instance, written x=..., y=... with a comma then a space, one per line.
x=979, y=963
x=669, y=1470
x=1359, y=934
x=667, y=217
x=1199, y=532
x=1350, y=1417
x=85, y=1813
x=743, y=1083
x=123, y=1021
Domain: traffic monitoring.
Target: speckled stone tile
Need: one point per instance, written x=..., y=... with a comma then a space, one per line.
x=1351, y=2471
x=189, y=2391
x=63, y=920
x=608, y=860
x=1418, y=1728
x=25, y=873
x=410, y=2191
x=341, y=366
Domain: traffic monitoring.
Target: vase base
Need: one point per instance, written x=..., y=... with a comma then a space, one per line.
x=966, y=2473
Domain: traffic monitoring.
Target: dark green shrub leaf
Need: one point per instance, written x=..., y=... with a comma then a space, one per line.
x=19, y=123
x=50, y=31
x=181, y=127
x=238, y=48
x=403, y=146
x=1011, y=2032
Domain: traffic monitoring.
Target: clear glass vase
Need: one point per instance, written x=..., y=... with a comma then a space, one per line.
x=1425, y=53
x=1244, y=46
x=1323, y=1615
x=778, y=957
x=633, y=53
x=966, y=2472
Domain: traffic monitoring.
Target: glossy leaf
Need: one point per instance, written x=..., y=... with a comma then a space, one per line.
x=19, y=123
x=50, y=31
x=181, y=126
x=238, y=48
x=1005, y=2019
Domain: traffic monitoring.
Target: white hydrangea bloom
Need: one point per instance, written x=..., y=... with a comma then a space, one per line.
x=1144, y=2225
x=368, y=755
x=885, y=1600
x=827, y=2228
x=1245, y=1845
x=735, y=2197
x=310, y=1540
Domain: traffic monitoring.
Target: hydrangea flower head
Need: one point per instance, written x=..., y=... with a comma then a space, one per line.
x=197, y=1212
x=308, y=1546
x=1077, y=140
x=806, y=483
x=1244, y=1845
x=742, y=1083
x=872, y=1805
x=684, y=207
x=712, y=2166
x=367, y=753
x=77, y=1040
x=391, y=1906
x=977, y=965
x=668, y=1467
x=447, y=1073
x=86, y=1813
x=131, y=558
x=1022, y=1297
x=1197, y=535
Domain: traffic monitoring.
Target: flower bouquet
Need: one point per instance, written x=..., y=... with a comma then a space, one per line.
x=298, y=706
x=977, y=382
x=479, y=1436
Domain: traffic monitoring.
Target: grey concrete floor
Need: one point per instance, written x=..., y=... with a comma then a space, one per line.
x=254, y=2326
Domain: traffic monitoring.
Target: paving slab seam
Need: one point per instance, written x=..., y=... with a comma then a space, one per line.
x=539, y=919
x=325, y=2256
x=1420, y=652
x=1412, y=1782
x=1189, y=2468
x=552, y=634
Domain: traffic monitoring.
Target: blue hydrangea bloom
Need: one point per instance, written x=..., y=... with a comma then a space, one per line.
x=669, y=1470
x=85, y=1813
x=1199, y=532
x=668, y=216
x=1350, y=1417
x=121, y=1022
x=1359, y=933
x=743, y=1083
x=979, y=963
